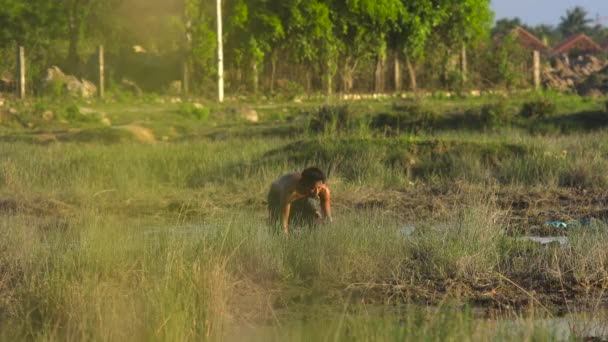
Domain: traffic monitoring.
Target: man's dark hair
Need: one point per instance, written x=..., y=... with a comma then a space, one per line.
x=312, y=175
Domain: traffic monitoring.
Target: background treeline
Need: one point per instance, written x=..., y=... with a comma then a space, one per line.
x=288, y=47
x=576, y=20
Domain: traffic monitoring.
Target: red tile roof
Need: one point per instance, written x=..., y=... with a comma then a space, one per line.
x=528, y=40
x=577, y=42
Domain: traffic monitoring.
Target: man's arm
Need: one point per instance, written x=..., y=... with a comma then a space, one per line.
x=286, y=208
x=325, y=197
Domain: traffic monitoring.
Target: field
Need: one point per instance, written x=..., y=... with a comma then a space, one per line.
x=145, y=219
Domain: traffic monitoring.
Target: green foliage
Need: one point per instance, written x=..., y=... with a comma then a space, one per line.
x=539, y=109
x=497, y=113
x=194, y=111
x=332, y=120
x=72, y=114
x=55, y=89
x=409, y=114
x=575, y=22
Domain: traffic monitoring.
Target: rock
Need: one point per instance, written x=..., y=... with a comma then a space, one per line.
x=586, y=75
x=130, y=87
x=249, y=114
x=56, y=79
x=175, y=88
x=48, y=115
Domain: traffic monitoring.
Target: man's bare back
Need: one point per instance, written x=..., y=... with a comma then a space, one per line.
x=293, y=187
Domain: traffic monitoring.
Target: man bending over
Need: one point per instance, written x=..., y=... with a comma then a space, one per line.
x=289, y=198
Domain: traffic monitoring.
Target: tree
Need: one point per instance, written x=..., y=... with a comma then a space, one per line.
x=575, y=21
x=505, y=25
x=409, y=37
x=254, y=29
x=362, y=27
x=201, y=40
x=310, y=38
x=547, y=33
x=465, y=23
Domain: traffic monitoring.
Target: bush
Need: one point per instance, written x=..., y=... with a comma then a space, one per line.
x=539, y=109
x=55, y=89
x=72, y=113
x=194, y=111
x=390, y=123
x=410, y=114
x=495, y=113
x=331, y=120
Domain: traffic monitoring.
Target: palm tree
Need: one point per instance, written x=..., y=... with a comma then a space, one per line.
x=574, y=22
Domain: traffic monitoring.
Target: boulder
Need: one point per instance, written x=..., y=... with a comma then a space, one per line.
x=75, y=87
x=131, y=87
x=175, y=88
x=48, y=115
x=586, y=75
x=248, y=114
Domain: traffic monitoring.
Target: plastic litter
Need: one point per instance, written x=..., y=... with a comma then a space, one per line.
x=557, y=224
x=565, y=225
x=407, y=230
x=548, y=240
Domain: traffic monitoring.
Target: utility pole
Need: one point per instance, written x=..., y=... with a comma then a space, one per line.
x=21, y=72
x=220, y=54
x=101, y=71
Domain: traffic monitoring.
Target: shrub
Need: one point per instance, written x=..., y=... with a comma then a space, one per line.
x=495, y=113
x=539, y=109
x=331, y=120
x=194, y=111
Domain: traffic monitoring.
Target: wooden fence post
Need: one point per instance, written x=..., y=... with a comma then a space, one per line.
x=21, y=72
x=536, y=70
x=101, y=72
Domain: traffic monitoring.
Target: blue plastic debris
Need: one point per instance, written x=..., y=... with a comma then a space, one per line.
x=563, y=225
x=557, y=224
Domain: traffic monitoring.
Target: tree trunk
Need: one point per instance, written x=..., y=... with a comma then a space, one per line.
x=397, y=70
x=347, y=76
x=328, y=78
x=463, y=64
x=273, y=70
x=308, y=81
x=380, y=72
x=254, y=77
x=412, y=74
x=74, y=38
x=445, y=67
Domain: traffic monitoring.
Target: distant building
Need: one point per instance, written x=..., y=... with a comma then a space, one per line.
x=579, y=44
x=529, y=41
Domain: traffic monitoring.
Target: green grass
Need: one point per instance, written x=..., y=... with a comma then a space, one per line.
x=104, y=277
x=103, y=237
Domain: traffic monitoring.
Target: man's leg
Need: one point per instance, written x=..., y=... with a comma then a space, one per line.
x=274, y=209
